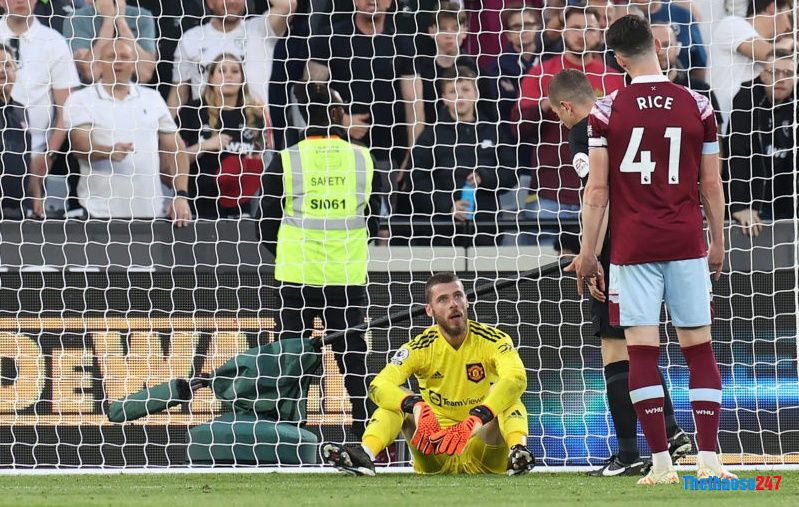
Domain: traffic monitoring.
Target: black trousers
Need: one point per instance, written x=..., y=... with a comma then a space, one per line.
x=340, y=308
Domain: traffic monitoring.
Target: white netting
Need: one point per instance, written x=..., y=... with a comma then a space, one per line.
x=111, y=282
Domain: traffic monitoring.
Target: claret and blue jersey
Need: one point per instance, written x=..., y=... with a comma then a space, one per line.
x=656, y=133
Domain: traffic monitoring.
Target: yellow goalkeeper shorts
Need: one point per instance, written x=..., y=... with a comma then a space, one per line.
x=477, y=458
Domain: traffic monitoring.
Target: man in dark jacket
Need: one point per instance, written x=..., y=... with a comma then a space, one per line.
x=461, y=150
x=14, y=143
x=761, y=161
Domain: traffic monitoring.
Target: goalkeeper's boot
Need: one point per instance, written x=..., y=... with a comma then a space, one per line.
x=615, y=466
x=520, y=460
x=679, y=447
x=352, y=460
x=669, y=476
x=705, y=470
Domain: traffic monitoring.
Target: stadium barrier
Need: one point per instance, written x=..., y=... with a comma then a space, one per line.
x=232, y=245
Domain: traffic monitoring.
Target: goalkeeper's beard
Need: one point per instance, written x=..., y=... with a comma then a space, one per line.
x=453, y=329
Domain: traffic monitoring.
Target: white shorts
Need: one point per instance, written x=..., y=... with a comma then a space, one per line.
x=637, y=292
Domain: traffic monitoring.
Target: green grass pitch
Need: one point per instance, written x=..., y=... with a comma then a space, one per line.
x=272, y=489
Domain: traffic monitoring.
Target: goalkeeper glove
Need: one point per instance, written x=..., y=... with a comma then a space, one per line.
x=426, y=423
x=453, y=440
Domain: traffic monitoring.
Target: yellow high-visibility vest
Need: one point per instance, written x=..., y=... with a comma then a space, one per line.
x=323, y=234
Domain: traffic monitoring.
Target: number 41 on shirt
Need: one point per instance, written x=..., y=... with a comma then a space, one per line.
x=645, y=165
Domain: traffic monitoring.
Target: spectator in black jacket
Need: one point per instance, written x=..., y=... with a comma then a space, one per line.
x=370, y=65
x=14, y=141
x=462, y=148
x=761, y=162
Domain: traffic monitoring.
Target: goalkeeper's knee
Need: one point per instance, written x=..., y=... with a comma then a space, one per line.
x=382, y=429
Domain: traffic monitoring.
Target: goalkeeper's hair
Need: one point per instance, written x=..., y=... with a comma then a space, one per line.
x=571, y=85
x=630, y=36
x=437, y=279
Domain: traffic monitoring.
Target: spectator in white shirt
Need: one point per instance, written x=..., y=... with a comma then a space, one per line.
x=742, y=47
x=122, y=134
x=253, y=40
x=45, y=79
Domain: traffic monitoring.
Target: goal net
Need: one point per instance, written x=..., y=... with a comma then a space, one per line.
x=136, y=266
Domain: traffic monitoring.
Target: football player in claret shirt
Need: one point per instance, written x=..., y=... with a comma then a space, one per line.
x=654, y=155
x=572, y=98
x=468, y=417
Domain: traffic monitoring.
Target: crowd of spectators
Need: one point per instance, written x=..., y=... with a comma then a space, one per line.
x=154, y=108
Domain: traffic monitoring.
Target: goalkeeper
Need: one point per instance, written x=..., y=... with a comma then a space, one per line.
x=469, y=417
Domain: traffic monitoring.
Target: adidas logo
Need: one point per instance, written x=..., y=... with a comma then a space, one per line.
x=516, y=413
x=655, y=410
x=705, y=412
x=437, y=375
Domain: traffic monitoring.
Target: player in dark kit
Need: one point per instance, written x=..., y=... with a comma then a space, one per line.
x=572, y=98
x=650, y=144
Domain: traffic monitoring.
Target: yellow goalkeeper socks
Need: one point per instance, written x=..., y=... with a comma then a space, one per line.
x=372, y=445
x=382, y=430
x=516, y=438
x=513, y=424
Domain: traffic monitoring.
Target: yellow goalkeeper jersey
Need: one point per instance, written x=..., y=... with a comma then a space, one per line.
x=454, y=381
